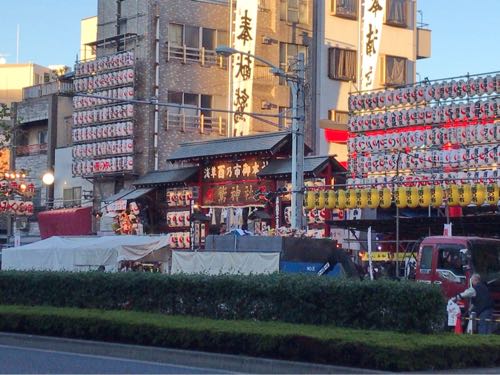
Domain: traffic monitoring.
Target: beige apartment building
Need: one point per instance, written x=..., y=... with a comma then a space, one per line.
x=340, y=44
x=14, y=77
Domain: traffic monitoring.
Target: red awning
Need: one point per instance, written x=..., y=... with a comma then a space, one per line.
x=65, y=222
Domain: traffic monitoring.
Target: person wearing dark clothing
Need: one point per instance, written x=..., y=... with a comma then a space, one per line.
x=482, y=303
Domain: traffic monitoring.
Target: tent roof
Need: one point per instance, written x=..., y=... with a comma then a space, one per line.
x=70, y=253
x=268, y=143
x=173, y=177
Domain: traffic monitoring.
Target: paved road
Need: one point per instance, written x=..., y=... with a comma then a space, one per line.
x=21, y=353
x=19, y=360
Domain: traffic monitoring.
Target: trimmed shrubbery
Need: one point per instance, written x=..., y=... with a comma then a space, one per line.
x=386, y=305
x=320, y=344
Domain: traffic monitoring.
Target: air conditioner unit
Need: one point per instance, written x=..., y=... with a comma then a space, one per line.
x=267, y=40
x=22, y=225
x=267, y=105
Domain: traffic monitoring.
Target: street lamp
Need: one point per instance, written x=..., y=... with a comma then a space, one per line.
x=296, y=82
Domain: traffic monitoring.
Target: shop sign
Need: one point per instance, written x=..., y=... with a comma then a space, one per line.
x=118, y=205
x=245, y=33
x=234, y=171
x=14, y=207
x=373, y=17
x=234, y=194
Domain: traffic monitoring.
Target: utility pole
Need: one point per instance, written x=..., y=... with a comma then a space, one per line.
x=298, y=114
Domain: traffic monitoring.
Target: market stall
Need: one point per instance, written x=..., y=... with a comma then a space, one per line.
x=85, y=253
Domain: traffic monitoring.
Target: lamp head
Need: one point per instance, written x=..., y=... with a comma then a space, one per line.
x=48, y=178
x=225, y=51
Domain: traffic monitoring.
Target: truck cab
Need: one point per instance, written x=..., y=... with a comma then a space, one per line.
x=451, y=261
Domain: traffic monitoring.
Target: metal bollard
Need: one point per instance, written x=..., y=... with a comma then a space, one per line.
x=474, y=322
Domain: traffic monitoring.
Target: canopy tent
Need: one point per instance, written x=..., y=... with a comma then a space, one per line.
x=218, y=263
x=85, y=253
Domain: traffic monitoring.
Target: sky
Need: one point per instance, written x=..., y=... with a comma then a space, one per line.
x=464, y=33
x=49, y=30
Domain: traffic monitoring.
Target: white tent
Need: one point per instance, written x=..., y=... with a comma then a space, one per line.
x=218, y=263
x=85, y=253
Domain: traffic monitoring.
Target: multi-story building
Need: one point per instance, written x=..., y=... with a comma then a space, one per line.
x=42, y=120
x=179, y=83
x=341, y=49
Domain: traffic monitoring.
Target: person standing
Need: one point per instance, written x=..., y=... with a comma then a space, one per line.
x=482, y=303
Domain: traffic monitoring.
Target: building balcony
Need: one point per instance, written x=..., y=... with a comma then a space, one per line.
x=35, y=149
x=202, y=56
x=49, y=88
x=423, y=43
x=202, y=124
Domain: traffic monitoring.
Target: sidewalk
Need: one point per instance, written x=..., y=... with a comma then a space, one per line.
x=240, y=364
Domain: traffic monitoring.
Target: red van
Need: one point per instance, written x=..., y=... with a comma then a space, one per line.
x=450, y=262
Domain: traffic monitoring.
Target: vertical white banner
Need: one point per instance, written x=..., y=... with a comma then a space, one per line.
x=244, y=37
x=373, y=19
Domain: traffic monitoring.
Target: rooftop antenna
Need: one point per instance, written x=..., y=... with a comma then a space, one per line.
x=17, y=45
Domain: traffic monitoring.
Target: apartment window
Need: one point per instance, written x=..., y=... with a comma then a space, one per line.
x=396, y=14
x=195, y=36
x=294, y=11
x=176, y=34
x=206, y=102
x=289, y=52
x=72, y=197
x=340, y=117
x=209, y=39
x=395, y=70
x=189, y=103
x=345, y=8
x=342, y=64
x=46, y=77
x=192, y=36
x=222, y=38
x=42, y=137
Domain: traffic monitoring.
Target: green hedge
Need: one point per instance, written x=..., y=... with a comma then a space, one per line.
x=388, y=351
x=387, y=305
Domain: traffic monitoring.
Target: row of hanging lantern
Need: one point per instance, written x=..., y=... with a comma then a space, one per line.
x=104, y=80
x=430, y=137
x=109, y=165
x=481, y=109
x=427, y=179
x=113, y=113
x=121, y=93
x=421, y=160
x=119, y=129
x=404, y=197
x=106, y=63
x=121, y=146
x=425, y=93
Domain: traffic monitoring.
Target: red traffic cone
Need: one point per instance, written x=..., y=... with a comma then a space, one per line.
x=458, y=325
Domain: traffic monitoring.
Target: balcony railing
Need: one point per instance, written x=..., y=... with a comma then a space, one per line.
x=36, y=149
x=201, y=55
x=202, y=124
x=49, y=88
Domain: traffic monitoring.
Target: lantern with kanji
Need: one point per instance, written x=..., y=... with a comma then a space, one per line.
x=492, y=194
x=372, y=198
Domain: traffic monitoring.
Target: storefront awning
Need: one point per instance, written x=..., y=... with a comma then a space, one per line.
x=313, y=166
x=171, y=178
x=128, y=194
x=268, y=143
x=65, y=222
